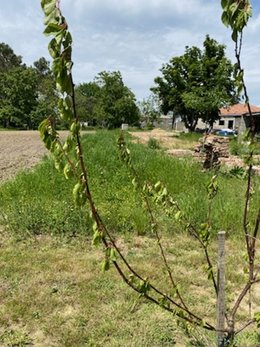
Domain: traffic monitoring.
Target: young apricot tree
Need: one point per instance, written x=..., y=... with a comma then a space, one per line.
x=69, y=158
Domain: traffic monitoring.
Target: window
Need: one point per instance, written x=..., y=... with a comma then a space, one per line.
x=221, y=122
x=230, y=124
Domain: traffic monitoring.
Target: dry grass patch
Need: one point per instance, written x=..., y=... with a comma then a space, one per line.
x=53, y=294
x=166, y=139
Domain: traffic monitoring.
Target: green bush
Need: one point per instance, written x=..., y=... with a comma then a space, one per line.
x=153, y=143
x=239, y=147
x=234, y=146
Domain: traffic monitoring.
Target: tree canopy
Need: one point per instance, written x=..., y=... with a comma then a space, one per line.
x=197, y=84
x=8, y=59
x=107, y=101
x=27, y=94
x=18, y=96
x=150, y=110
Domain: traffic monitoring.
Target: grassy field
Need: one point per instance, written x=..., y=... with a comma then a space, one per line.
x=52, y=290
x=53, y=293
x=44, y=192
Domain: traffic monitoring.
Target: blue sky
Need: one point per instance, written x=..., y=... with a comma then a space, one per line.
x=133, y=36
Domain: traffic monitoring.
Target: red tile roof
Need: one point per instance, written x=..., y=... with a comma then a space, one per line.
x=238, y=110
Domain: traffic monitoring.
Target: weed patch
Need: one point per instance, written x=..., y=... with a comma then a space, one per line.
x=40, y=201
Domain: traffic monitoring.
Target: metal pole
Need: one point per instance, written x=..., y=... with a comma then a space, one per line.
x=221, y=290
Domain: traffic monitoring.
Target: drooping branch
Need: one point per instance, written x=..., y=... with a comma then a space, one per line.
x=60, y=49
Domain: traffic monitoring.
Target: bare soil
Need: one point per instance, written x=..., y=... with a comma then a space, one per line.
x=20, y=150
x=165, y=138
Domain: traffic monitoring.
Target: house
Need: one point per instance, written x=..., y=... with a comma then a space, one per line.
x=237, y=117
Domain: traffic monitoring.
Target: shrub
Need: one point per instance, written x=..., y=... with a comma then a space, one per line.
x=153, y=143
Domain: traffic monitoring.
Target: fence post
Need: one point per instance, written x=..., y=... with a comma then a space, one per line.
x=221, y=290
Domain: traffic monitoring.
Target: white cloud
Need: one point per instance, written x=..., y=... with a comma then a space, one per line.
x=133, y=36
x=141, y=7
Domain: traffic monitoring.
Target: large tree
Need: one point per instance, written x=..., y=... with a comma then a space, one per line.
x=27, y=94
x=18, y=91
x=197, y=84
x=8, y=59
x=47, y=94
x=87, y=98
x=107, y=101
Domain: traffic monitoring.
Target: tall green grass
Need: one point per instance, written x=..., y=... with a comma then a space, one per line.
x=40, y=201
x=239, y=147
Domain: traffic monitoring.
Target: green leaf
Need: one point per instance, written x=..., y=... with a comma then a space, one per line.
x=66, y=54
x=105, y=265
x=59, y=165
x=79, y=194
x=54, y=49
x=52, y=17
x=212, y=187
x=112, y=254
x=257, y=319
x=67, y=40
x=233, y=8
x=157, y=186
x=75, y=128
x=144, y=286
x=48, y=6
x=249, y=11
x=234, y=35
x=178, y=216
x=57, y=66
x=68, y=172
x=225, y=19
x=164, y=301
x=164, y=192
x=224, y=3
x=97, y=238
x=210, y=273
x=68, y=144
x=63, y=81
x=65, y=108
x=53, y=29
x=240, y=88
x=43, y=127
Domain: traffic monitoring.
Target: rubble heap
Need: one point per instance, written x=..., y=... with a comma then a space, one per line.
x=210, y=149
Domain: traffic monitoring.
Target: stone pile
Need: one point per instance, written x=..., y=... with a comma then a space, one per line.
x=210, y=150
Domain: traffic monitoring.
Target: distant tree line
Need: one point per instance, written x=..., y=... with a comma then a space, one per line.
x=194, y=85
x=28, y=95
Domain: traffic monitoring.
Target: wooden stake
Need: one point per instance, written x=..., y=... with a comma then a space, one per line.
x=221, y=290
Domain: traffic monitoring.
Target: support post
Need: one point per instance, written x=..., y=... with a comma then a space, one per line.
x=221, y=290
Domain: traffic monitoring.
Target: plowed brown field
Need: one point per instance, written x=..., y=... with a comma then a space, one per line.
x=19, y=150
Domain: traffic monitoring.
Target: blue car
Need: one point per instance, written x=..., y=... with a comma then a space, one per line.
x=226, y=132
